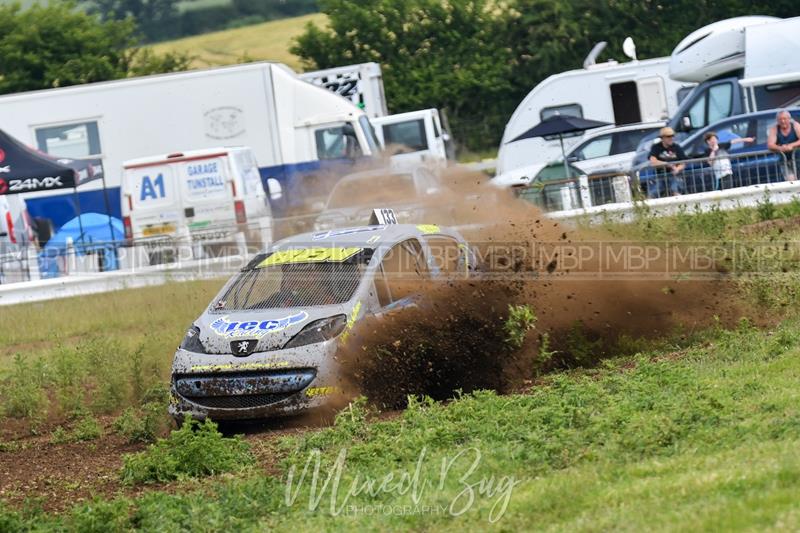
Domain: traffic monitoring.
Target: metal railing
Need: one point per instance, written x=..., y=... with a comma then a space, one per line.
x=697, y=175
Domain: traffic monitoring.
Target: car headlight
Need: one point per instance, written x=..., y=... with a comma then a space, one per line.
x=191, y=342
x=318, y=331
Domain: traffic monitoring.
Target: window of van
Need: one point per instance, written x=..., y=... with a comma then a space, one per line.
x=410, y=134
x=336, y=143
x=80, y=139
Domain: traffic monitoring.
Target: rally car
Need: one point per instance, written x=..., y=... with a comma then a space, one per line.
x=266, y=344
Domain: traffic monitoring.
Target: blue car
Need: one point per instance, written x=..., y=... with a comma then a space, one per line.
x=760, y=166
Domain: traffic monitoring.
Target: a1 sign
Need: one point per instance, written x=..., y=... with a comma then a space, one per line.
x=382, y=217
x=152, y=188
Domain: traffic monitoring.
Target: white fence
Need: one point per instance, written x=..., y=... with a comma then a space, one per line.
x=594, y=199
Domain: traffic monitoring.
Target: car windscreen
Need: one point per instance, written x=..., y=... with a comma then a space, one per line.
x=375, y=190
x=305, y=277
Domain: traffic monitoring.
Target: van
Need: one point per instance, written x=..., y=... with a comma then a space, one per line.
x=415, y=138
x=210, y=195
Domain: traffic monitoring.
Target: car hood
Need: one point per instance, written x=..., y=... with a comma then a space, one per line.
x=272, y=328
x=518, y=176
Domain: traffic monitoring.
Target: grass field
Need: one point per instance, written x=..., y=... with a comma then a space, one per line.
x=697, y=430
x=268, y=41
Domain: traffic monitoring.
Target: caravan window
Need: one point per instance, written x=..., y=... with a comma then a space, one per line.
x=77, y=140
x=410, y=134
x=572, y=110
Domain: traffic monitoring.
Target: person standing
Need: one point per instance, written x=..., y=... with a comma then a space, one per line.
x=717, y=154
x=665, y=156
x=783, y=138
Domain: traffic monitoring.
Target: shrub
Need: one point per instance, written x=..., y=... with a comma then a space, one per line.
x=520, y=320
x=195, y=449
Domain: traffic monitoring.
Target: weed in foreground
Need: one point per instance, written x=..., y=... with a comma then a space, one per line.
x=195, y=449
x=521, y=319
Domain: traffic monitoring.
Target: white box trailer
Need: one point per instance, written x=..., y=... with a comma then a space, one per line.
x=292, y=126
x=618, y=93
x=362, y=84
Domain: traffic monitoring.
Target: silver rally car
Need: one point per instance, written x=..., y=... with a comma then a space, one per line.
x=266, y=344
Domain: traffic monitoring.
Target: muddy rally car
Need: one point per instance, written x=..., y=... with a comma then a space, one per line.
x=266, y=345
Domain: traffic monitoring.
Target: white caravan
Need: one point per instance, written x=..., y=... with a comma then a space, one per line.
x=626, y=93
x=201, y=193
x=413, y=138
x=293, y=127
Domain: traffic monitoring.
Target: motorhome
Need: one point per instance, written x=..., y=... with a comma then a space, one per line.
x=618, y=93
x=293, y=127
x=742, y=65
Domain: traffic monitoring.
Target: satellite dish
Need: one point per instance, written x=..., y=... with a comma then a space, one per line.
x=629, y=48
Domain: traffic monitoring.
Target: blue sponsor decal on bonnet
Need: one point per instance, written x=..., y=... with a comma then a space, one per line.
x=255, y=328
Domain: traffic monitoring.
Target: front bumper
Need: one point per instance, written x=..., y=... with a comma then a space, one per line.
x=262, y=385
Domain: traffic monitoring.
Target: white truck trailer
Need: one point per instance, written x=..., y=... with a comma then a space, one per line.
x=293, y=127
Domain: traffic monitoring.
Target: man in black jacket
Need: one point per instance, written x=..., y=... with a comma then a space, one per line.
x=665, y=156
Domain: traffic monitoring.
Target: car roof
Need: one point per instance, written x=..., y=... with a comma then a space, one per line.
x=364, y=236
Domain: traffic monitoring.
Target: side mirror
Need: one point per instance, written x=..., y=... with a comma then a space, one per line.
x=686, y=123
x=275, y=189
x=573, y=159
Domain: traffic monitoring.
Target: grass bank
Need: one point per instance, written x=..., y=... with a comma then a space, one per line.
x=268, y=41
x=701, y=435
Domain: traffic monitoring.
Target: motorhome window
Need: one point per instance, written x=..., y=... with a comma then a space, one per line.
x=373, y=190
x=410, y=134
x=572, y=110
x=369, y=133
x=697, y=113
x=682, y=93
x=599, y=147
x=80, y=139
x=720, y=101
x=625, y=101
x=336, y=143
x=777, y=95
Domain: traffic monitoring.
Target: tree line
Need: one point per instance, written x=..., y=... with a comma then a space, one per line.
x=477, y=59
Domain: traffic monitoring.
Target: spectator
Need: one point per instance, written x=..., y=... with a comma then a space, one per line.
x=666, y=155
x=783, y=138
x=717, y=154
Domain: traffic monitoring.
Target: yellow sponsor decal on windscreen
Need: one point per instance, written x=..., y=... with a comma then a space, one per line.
x=309, y=255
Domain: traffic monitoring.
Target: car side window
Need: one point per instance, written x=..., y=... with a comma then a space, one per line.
x=445, y=254
x=599, y=147
x=404, y=267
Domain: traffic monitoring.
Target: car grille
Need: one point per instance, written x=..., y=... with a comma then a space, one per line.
x=248, y=401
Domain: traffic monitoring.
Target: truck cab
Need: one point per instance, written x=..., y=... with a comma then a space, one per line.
x=413, y=138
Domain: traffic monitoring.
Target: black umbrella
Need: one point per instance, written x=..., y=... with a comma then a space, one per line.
x=560, y=125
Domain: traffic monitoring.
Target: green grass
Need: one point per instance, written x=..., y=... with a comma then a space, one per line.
x=268, y=41
x=702, y=437
x=97, y=354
